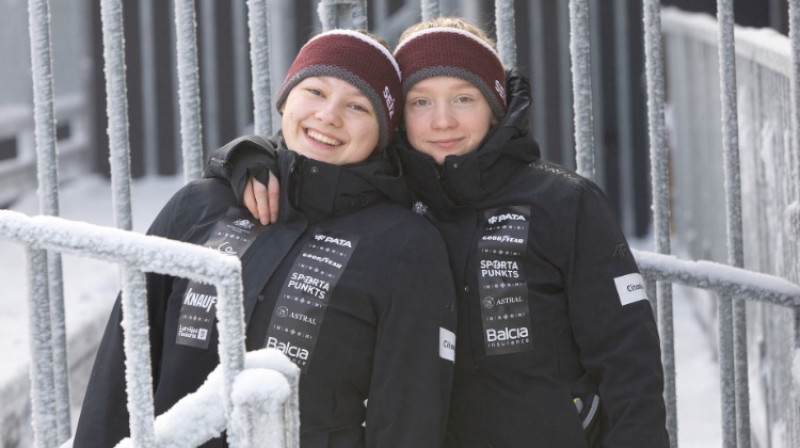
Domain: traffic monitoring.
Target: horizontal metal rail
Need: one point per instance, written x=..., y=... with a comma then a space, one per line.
x=733, y=281
x=137, y=253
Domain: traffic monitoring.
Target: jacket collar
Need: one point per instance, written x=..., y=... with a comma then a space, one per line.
x=467, y=179
x=321, y=190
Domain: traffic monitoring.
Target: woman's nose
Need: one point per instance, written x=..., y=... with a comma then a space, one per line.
x=443, y=117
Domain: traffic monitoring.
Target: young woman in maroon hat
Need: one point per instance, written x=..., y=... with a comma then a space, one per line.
x=348, y=282
x=558, y=346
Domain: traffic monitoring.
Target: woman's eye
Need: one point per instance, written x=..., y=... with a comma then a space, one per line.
x=359, y=108
x=313, y=91
x=420, y=102
x=463, y=99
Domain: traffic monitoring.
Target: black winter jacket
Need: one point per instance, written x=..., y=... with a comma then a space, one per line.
x=558, y=346
x=379, y=337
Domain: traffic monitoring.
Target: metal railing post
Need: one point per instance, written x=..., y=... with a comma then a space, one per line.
x=661, y=199
x=506, y=32
x=733, y=340
x=258, y=22
x=189, y=90
x=48, y=273
x=347, y=14
x=581, y=57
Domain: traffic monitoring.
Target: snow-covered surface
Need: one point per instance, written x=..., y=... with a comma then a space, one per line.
x=90, y=287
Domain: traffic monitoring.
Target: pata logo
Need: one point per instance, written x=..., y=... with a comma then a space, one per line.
x=506, y=217
x=330, y=239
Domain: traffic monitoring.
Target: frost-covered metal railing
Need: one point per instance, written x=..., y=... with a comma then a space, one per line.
x=261, y=401
x=732, y=109
x=734, y=285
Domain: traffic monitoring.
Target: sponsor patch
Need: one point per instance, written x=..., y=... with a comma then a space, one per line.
x=447, y=344
x=630, y=288
x=503, y=290
x=300, y=308
x=231, y=235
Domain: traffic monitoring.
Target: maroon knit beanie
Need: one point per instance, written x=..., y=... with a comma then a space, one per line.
x=446, y=51
x=358, y=59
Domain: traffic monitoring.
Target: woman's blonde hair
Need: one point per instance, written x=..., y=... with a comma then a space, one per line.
x=448, y=22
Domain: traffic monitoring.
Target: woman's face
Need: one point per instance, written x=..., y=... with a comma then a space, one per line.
x=446, y=116
x=330, y=120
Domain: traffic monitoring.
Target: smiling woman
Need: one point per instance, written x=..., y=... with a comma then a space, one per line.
x=330, y=120
x=348, y=282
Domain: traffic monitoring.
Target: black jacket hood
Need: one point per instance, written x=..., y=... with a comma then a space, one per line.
x=467, y=179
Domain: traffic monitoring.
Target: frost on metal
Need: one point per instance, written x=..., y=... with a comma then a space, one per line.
x=262, y=397
x=792, y=221
x=347, y=14
x=117, y=111
x=138, y=253
x=506, y=34
x=580, y=52
x=260, y=67
x=189, y=90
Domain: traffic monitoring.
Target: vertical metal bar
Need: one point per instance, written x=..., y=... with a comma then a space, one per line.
x=568, y=155
x=430, y=9
x=598, y=105
x=117, y=111
x=506, y=32
x=624, y=113
x=735, y=307
x=347, y=14
x=189, y=90
x=210, y=80
x=794, y=208
x=47, y=171
x=148, y=73
x=45, y=424
x=661, y=198
x=138, y=374
x=581, y=58
x=230, y=311
x=241, y=92
x=538, y=81
x=257, y=19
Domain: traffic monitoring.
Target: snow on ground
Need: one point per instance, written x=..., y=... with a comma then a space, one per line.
x=90, y=287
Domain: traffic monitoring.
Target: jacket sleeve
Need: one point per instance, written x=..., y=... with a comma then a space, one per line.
x=614, y=326
x=413, y=365
x=246, y=156
x=104, y=418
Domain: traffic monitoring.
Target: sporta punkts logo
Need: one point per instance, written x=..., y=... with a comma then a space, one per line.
x=488, y=303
